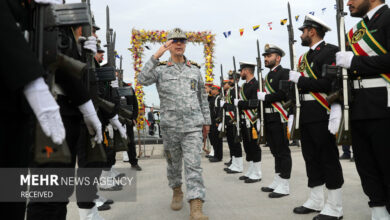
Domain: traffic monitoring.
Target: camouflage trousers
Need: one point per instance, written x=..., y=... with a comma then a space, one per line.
x=185, y=146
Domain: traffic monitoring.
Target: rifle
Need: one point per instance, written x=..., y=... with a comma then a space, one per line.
x=261, y=137
x=95, y=151
x=223, y=132
x=295, y=131
x=48, y=38
x=344, y=132
x=237, y=138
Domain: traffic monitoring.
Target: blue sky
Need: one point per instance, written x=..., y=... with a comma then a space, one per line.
x=216, y=16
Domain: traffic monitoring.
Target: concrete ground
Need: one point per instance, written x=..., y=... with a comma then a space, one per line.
x=227, y=197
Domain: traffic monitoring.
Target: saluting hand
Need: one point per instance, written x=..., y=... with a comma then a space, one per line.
x=163, y=49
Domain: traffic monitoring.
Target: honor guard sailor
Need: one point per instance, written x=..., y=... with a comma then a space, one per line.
x=369, y=64
x=276, y=118
x=319, y=147
x=248, y=113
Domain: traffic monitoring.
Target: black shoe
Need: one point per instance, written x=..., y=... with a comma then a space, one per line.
x=326, y=217
x=352, y=159
x=229, y=171
x=303, y=210
x=267, y=189
x=214, y=159
x=136, y=167
x=109, y=202
x=345, y=157
x=120, y=175
x=228, y=163
x=249, y=180
x=275, y=195
x=104, y=207
x=243, y=178
x=208, y=156
x=114, y=188
x=226, y=169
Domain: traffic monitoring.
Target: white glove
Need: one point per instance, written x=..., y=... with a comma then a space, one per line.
x=290, y=123
x=116, y=124
x=236, y=102
x=89, y=43
x=53, y=2
x=261, y=96
x=45, y=109
x=334, y=118
x=220, y=127
x=221, y=103
x=294, y=76
x=110, y=131
x=344, y=59
x=258, y=125
x=92, y=121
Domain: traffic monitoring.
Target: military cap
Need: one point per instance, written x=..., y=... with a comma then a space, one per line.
x=246, y=65
x=231, y=76
x=314, y=22
x=176, y=33
x=270, y=48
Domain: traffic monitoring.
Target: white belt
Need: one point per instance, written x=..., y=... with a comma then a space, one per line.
x=369, y=83
x=373, y=83
x=269, y=110
x=306, y=97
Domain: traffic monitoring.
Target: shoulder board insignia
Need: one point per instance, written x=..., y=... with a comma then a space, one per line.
x=195, y=64
x=162, y=63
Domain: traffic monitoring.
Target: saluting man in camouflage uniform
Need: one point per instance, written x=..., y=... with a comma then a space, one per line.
x=184, y=114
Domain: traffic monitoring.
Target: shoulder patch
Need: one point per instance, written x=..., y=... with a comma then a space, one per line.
x=194, y=64
x=162, y=63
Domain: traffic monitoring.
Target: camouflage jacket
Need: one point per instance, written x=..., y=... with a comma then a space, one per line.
x=183, y=98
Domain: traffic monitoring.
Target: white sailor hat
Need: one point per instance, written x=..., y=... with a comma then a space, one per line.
x=246, y=64
x=271, y=48
x=311, y=21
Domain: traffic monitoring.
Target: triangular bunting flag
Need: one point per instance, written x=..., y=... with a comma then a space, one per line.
x=312, y=13
x=283, y=21
x=256, y=27
x=269, y=25
x=296, y=18
x=241, y=31
x=227, y=34
x=323, y=10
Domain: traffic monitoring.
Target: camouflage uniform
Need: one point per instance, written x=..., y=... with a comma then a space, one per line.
x=184, y=111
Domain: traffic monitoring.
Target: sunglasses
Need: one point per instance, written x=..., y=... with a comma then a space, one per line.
x=179, y=40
